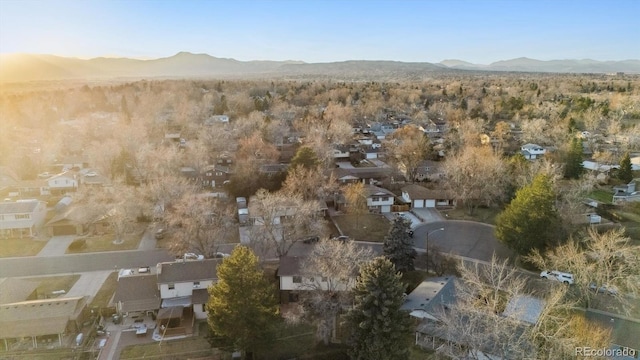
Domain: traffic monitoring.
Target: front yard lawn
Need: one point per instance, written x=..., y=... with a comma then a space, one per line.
x=20, y=247
x=105, y=242
x=601, y=195
x=365, y=227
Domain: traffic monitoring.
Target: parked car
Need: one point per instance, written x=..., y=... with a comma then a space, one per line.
x=311, y=239
x=221, y=255
x=193, y=256
x=564, y=278
x=342, y=238
x=159, y=234
x=604, y=289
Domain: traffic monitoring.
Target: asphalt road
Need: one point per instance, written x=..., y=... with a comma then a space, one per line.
x=74, y=263
x=464, y=238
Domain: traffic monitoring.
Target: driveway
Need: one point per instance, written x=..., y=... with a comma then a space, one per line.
x=88, y=284
x=464, y=238
x=57, y=245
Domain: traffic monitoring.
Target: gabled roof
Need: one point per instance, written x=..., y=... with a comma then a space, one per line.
x=39, y=317
x=373, y=190
x=290, y=265
x=524, y=308
x=417, y=192
x=137, y=293
x=15, y=290
x=187, y=270
x=22, y=207
x=432, y=296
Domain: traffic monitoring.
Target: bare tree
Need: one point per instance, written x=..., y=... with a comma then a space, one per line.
x=476, y=176
x=329, y=273
x=356, y=198
x=407, y=147
x=280, y=220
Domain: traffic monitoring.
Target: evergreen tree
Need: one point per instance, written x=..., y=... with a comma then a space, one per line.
x=530, y=221
x=380, y=330
x=625, y=173
x=305, y=157
x=398, y=246
x=242, y=308
x=573, y=164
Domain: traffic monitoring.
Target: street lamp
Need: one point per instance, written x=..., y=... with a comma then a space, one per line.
x=427, y=244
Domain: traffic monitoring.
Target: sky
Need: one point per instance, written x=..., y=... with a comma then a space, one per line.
x=325, y=30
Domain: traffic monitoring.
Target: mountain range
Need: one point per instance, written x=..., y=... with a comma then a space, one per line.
x=30, y=67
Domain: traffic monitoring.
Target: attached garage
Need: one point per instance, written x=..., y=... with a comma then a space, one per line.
x=418, y=203
x=431, y=203
x=58, y=230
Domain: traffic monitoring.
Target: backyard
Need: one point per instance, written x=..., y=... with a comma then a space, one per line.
x=365, y=227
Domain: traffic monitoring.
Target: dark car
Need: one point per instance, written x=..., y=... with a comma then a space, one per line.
x=311, y=239
x=342, y=238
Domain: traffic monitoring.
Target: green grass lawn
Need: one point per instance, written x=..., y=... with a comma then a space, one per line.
x=365, y=227
x=601, y=195
x=20, y=247
x=484, y=215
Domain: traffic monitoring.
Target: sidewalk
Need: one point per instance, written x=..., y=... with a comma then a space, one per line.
x=57, y=245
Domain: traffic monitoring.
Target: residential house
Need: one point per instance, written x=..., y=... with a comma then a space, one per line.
x=272, y=169
x=70, y=221
x=72, y=162
x=341, y=152
x=349, y=175
x=40, y=319
x=215, y=175
x=30, y=188
x=625, y=193
x=370, y=152
x=429, y=170
x=421, y=197
x=21, y=218
x=136, y=291
x=532, y=151
x=184, y=283
x=379, y=200
x=63, y=183
x=292, y=280
x=91, y=177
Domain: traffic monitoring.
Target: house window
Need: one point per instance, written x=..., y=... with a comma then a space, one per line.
x=196, y=284
x=297, y=279
x=22, y=216
x=218, y=173
x=375, y=198
x=172, y=286
x=386, y=198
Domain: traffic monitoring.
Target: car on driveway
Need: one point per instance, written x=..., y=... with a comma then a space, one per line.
x=221, y=255
x=564, y=278
x=159, y=234
x=604, y=289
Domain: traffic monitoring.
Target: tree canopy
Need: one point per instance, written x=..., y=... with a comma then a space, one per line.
x=398, y=246
x=380, y=329
x=531, y=220
x=242, y=308
x=573, y=162
x=305, y=157
x=625, y=173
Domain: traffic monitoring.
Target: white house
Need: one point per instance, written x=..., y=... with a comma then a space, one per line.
x=532, y=151
x=184, y=283
x=421, y=197
x=21, y=218
x=292, y=281
x=379, y=200
x=341, y=151
x=217, y=118
x=62, y=183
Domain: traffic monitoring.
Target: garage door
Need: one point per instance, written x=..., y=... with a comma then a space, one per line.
x=64, y=230
x=431, y=203
x=418, y=203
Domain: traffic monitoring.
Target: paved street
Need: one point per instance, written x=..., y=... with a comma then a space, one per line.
x=464, y=238
x=76, y=263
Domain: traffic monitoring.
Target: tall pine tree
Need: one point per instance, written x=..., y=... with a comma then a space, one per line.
x=531, y=220
x=625, y=173
x=573, y=162
x=242, y=308
x=398, y=246
x=380, y=330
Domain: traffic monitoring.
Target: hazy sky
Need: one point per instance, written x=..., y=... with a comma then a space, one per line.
x=322, y=31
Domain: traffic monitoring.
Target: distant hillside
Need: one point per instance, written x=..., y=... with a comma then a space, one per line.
x=553, y=66
x=29, y=67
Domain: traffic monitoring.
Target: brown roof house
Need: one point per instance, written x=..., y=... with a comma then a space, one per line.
x=36, y=319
